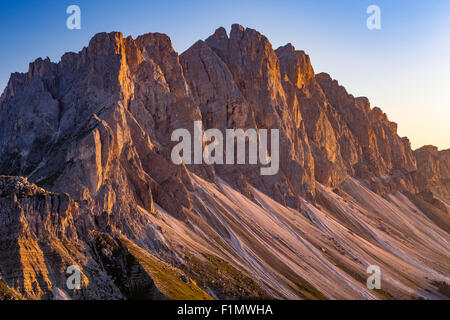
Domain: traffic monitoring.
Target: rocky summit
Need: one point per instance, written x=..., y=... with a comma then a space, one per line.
x=87, y=180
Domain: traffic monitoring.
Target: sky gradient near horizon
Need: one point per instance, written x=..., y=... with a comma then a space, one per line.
x=404, y=68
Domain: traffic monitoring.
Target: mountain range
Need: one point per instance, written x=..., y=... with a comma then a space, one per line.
x=87, y=180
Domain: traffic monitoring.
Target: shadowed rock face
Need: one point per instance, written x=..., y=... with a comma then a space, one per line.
x=94, y=130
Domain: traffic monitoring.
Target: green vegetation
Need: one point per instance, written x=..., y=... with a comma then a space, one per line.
x=443, y=288
x=169, y=280
x=223, y=278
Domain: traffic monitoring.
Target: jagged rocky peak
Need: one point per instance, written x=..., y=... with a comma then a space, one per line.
x=295, y=65
x=246, y=44
x=244, y=77
x=105, y=44
x=220, y=34
x=383, y=151
x=434, y=170
x=255, y=69
x=338, y=96
x=46, y=213
x=41, y=67
x=211, y=83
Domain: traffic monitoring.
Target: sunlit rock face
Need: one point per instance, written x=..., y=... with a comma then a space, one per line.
x=434, y=171
x=41, y=235
x=347, y=137
x=237, y=83
x=94, y=133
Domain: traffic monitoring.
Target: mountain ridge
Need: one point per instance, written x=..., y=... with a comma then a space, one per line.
x=96, y=127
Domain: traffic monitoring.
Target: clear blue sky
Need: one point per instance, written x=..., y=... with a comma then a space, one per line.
x=404, y=68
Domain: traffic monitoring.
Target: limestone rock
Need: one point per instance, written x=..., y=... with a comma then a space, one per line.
x=434, y=171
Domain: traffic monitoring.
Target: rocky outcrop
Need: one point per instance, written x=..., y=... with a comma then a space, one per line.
x=6, y=293
x=39, y=240
x=43, y=233
x=434, y=172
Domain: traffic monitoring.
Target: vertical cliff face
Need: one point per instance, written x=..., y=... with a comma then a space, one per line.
x=94, y=130
x=434, y=171
x=382, y=150
x=323, y=127
x=255, y=71
x=39, y=240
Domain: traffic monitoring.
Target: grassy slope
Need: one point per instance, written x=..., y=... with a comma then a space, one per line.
x=166, y=277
